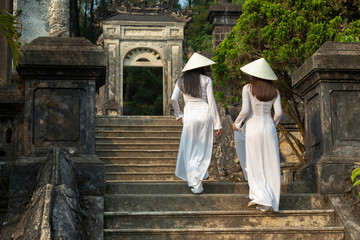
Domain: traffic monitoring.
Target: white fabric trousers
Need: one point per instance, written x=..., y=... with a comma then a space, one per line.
x=196, y=143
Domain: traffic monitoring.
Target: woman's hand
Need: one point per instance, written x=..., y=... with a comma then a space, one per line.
x=180, y=120
x=218, y=132
x=235, y=128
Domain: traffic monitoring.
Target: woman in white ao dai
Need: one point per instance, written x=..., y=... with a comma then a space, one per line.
x=200, y=119
x=261, y=141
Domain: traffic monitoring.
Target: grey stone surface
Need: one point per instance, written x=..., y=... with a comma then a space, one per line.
x=224, y=154
x=347, y=213
x=59, y=22
x=61, y=76
x=45, y=201
x=329, y=83
x=34, y=18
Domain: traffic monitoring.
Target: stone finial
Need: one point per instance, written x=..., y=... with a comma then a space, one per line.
x=59, y=13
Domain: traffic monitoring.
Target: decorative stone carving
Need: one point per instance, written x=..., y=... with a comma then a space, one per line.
x=159, y=7
x=143, y=57
x=34, y=18
x=59, y=12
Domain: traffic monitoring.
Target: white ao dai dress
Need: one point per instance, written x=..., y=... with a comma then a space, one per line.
x=200, y=119
x=261, y=148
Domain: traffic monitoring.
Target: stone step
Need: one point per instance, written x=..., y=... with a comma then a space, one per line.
x=139, y=128
x=136, y=146
x=210, y=188
x=136, y=153
x=112, y=133
x=144, y=168
x=140, y=167
x=144, y=176
x=137, y=120
x=139, y=160
x=134, y=140
x=263, y=233
x=204, y=202
x=218, y=219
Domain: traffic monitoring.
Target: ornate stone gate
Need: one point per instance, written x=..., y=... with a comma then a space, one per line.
x=142, y=39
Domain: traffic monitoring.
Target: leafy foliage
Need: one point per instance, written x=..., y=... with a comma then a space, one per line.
x=11, y=29
x=143, y=91
x=198, y=31
x=285, y=33
x=355, y=176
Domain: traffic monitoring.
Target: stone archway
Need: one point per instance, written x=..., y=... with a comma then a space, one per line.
x=143, y=57
x=140, y=40
x=143, y=81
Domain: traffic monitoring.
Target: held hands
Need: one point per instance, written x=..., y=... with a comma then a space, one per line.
x=180, y=120
x=235, y=128
x=218, y=132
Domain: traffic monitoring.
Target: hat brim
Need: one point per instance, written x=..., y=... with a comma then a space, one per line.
x=260, y=69
x=197, y=61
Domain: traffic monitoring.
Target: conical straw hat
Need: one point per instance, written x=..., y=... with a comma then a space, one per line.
x=197, y=61
x=261, y=69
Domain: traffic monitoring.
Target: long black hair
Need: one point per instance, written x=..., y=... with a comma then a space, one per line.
x=190, y=84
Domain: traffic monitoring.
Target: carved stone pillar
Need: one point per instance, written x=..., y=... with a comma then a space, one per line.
x=61, y=76
x=59, y=23
x=223, y=17
x=329, y=82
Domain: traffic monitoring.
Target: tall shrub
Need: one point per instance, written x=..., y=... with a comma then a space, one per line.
x=285, y=33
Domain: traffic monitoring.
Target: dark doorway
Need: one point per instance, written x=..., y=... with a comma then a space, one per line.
x=143, y=91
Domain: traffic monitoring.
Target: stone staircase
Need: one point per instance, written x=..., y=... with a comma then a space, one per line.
x=144, y=199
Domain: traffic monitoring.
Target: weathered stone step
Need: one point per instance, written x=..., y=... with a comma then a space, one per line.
x=137, y=120
x=112, y=133
x=218, y=219
x=136, y=153
x=204, y=202
x=140, y=167
x=263, y=233
x=144, y=168
x=139, y=160
x=143, y=176
x=134, y=140
x=210, y=188
x=136, y=146
x=139, y=128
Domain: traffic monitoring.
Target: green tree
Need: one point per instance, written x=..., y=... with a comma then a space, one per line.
x=198, y=31
x=143, y=91
x=285, y=33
